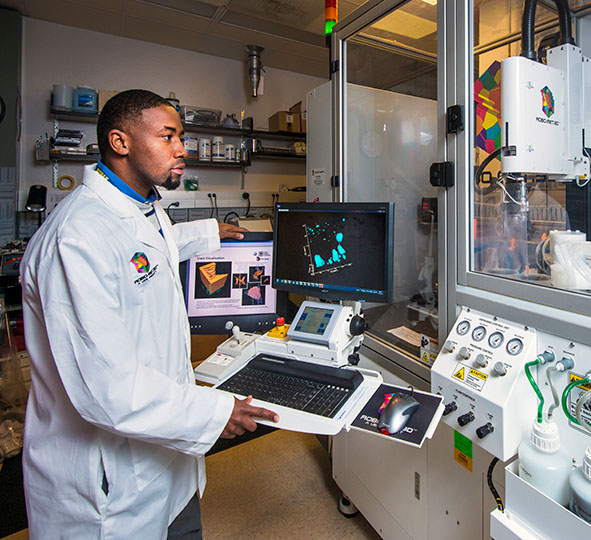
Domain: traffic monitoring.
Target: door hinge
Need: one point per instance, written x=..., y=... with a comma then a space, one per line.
x=334, y=66
x=334, y=181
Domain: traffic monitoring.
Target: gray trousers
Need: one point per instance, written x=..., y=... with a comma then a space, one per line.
x=187, y=525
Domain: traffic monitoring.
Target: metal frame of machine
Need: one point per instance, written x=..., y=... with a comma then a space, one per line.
x=425, y=494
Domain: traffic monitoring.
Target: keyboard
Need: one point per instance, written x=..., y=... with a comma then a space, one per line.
x=307, y=387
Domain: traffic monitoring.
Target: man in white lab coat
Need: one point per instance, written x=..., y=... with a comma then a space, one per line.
x=116, y=429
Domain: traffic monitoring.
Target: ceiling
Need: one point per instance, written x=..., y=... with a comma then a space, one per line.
x=291, y=31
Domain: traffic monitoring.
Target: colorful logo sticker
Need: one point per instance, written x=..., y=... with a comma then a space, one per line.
x=387, y=398
x=547, y=101
x=141, y=263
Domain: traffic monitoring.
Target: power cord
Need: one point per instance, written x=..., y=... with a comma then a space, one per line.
x=176, y=205
x=491, y=485
x=480, y=171
x=215, y=204
x=229, y=214
x=210, y=204
x=246, y=197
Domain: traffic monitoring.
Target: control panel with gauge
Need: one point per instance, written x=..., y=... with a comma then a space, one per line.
x=480, y=374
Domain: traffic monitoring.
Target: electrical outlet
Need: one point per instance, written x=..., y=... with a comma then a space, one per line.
x=54, y=197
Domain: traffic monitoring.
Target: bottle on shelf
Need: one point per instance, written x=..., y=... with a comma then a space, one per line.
x=580, y=489
x=543, y=463
x=85, y=99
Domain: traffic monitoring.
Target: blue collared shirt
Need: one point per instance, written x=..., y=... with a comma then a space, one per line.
x=104, y=171
x=146, y=205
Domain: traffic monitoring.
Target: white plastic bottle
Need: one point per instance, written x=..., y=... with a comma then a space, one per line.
x=543, y=464
x=580, y=489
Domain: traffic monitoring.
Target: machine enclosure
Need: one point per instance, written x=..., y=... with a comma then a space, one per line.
x=543, y=115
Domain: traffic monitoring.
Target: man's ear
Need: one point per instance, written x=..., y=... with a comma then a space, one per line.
x=118, y=142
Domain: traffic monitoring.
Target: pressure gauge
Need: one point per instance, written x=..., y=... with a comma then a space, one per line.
x=478, y=333
x=463, y=327
x=495, y=340
x=514, y=346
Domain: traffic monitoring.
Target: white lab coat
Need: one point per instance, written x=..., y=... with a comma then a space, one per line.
x=112, y=389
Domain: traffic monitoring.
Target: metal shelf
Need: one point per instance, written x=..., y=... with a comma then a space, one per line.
x=214, y=130
x=188, y=161
x=276, y=135
x=77, y=116
x=73, y=116
x=275, y=155
x=73, y=157
x=222, y=164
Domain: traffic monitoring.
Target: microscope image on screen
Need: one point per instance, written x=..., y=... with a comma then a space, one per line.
x=254, y=291
x=324, y=246
x=253, y=295
x=213, y=280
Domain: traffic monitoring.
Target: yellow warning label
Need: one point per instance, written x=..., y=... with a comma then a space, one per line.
x=479, y=374
x=425, y=358
x=463, y=459
x=460, y=374
x=574, y=378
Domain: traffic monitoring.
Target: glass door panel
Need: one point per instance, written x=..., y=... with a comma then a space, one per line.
x=389, y=109
x=525, y=228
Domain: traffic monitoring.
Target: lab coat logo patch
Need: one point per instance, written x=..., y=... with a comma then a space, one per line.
x=141, y=263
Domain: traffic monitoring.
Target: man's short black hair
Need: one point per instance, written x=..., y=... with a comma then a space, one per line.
x=122, y=109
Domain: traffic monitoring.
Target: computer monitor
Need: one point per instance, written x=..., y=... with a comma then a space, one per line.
x=233, y=284
x=341, y=251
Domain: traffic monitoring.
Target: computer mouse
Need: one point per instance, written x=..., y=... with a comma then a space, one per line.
x=397, y=413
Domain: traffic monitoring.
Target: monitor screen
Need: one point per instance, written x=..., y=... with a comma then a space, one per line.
x=342, y=251
x=233, y=284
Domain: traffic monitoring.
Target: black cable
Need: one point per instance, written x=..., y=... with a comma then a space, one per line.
x=528, y=23
x=215, y=204
x=491, y=485
x=229, y=214
x=480, y=170
x=176, y=205
x=246, y=197
x=566, y=29
x=210, y=204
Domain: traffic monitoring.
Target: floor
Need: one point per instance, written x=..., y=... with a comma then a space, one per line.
x=276, y=486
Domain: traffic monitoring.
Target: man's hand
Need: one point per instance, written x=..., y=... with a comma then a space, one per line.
x=227, y=230
x=241, y=418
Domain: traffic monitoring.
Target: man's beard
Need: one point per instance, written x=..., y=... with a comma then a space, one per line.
x=171, y=184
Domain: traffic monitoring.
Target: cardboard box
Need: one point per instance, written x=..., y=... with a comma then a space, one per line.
x=285, y=121
x=297, y=109
x=104, y=96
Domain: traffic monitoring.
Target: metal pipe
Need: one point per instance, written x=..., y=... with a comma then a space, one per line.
x=254, y=67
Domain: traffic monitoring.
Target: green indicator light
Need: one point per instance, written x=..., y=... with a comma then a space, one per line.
x=328, y=26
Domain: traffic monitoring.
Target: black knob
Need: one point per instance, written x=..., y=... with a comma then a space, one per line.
x=466, y=418
x=358, y=325
x=449, y=408
x=353, y=359
x=483, y=431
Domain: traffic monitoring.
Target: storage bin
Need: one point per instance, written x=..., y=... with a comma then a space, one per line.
x=200, y=115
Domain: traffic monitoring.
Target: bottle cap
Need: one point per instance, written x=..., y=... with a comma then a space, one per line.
x=280, y=321
x=587, y=464
x=545, y=436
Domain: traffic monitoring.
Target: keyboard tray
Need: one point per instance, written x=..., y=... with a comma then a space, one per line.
x=358, y=385
x=303, y=386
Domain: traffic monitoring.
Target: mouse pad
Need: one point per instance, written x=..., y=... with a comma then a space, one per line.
x=418, y=424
